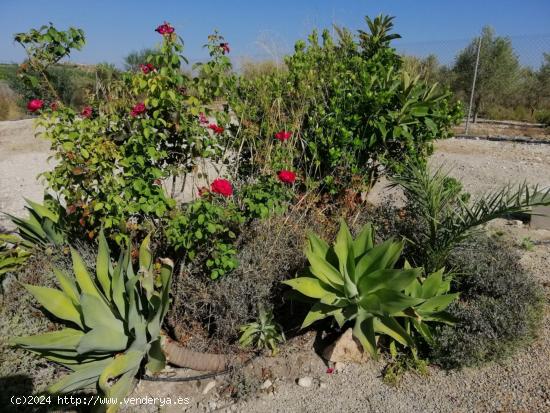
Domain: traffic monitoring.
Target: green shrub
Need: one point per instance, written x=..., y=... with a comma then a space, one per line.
x=351, y=109
x=207, y=229
x=500, y=309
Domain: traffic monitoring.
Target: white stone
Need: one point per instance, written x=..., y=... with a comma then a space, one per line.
x=305, y=382
x=266, y=385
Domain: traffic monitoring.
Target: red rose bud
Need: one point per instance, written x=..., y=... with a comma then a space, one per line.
x=330, y=370
x=86, y=112
x=147, y=68
x=165, y=29
x=138, y=109
x=222, y=187
x=283, y=135
x=225, y=48
x=217, y=129
x=288, y=177
x=35, y=105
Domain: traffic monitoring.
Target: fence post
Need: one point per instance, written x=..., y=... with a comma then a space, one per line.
x=473, y=87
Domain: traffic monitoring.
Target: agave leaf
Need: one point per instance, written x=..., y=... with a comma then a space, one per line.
x=424, y=331
x=441, y=317
x=342, y=246
x=54, y=235
x=323, y=270
x=120, y=389
x=43, y=211
x=437, y=303
x=310, y=287
x=156, y=360
x=87, y=286
x=166, y=271
x=103, y=262
x=370, y=262
x=103, y=339
x=364, y=241
x=56, y=302
x=389, y=326
x=121, y=364
x=145, y=257
x=318, y=312
x=67, y=285
x=388, y=302
x=81, y=378
x=394, y=279
x=66, y=339
x=363, y=330
x=432, y=283
x=118, y=287
x=98, y=314
x=317, y=245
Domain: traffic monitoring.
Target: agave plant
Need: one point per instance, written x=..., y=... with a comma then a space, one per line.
x=113, y=322
x=357, y=280
x=435, y=290
x=264, y=333
x=44, y=226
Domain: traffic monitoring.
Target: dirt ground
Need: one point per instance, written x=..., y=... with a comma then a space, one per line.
x=521, y=384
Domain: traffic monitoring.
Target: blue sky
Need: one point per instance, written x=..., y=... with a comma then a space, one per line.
x=259, y=28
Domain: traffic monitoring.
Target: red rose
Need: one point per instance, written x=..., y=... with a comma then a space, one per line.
x=225, y=48
x=330, y=370
x=86, y=112
x=138, y=109
x=146, y=68
x=165, y=29
x=35, y=105
x=283, y=135
x=222, y=187
x=288, y=177
x=54, y=106
x=203, y=119
x=217, y=129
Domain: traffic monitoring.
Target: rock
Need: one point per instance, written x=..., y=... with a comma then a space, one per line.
x=345, y=349
x=322, y=385
x=305, y=382
x=266, y=385
x=209, y=386
x=339, y=367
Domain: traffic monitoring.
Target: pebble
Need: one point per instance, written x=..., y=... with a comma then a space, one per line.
x=305, y=382
x=266, y=385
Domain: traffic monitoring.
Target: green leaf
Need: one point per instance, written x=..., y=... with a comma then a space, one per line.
x=87, y=286
x=394, y=279
x=66, y=339
x=363, y=330
x=389, y=302
x=103, y=264
x=80, y=379
x=318, y=312
x=121, y=364
x=103, y=339
x=364, y=241
x=67, y=285
x=56, y=302
x=389, y=326
x=98, y=314
x=437, y=303
x=324, y=270
x=310, y=287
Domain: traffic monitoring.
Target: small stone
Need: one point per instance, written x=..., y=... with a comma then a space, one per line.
x=266, y=385
x=339, y=367
x=209, y=386
x=305, y=382
x=322, y=385
x=345, y=349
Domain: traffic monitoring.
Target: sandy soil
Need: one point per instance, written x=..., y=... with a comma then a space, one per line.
x=521, y=384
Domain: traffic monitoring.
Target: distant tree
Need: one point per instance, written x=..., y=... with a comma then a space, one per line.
x=498, y=71
x=428, y=68
x=136, y=58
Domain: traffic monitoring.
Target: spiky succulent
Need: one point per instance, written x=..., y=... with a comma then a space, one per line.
x=44, y=226
x=264, y=333
x=113, y=321
x=357, y=280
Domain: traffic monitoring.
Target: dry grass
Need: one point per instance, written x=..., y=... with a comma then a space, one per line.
x=9, y=109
